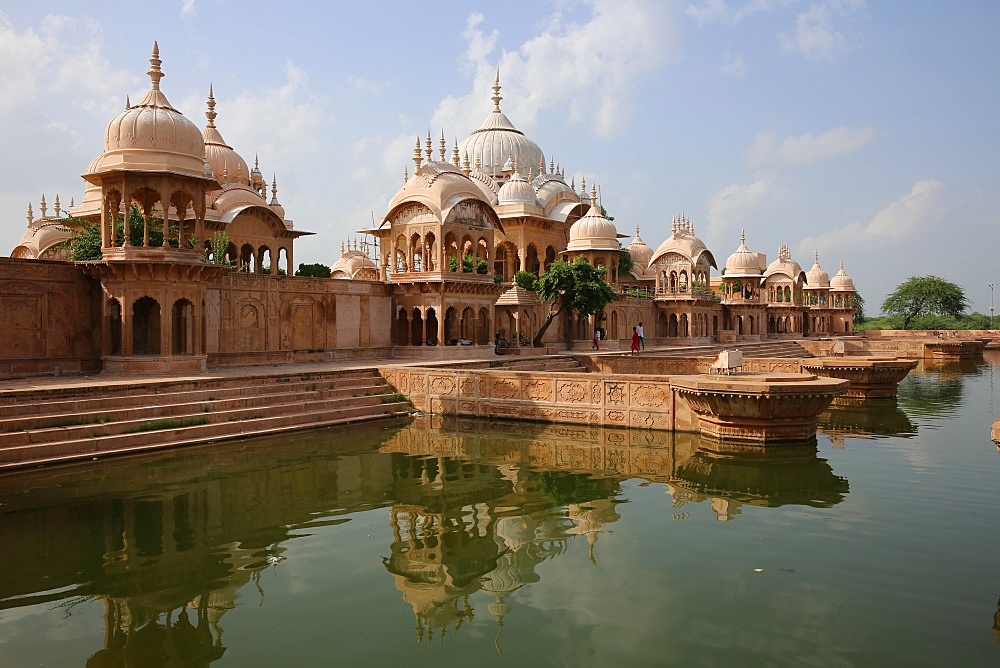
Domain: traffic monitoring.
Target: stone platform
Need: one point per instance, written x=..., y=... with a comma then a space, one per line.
x=871, y=377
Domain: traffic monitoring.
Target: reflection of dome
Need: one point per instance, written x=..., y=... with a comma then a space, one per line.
x=842, y=282
x=593, y=232
x=517, y=191
x=227, y=165
x=816, y=277
x=785, y=265
x=743, y=262
x=684, y=242
x=640, y=251
x=497, y=142
x=152, y=136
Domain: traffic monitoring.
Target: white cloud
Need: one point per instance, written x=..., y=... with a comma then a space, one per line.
x=733, y=206
x=63, y=60
x=904, y=221
x=719, y=11
x=816, y=35
x=187, y=8
x=735, y=66
x=590, y=69
x=364, y=85
x=808, y=149
x=280, y=123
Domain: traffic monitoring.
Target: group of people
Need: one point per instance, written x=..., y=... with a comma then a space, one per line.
x=638, y=340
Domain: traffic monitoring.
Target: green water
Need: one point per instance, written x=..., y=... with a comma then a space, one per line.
x=421, y=543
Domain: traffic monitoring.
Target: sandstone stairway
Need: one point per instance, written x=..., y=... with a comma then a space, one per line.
x=64, y=423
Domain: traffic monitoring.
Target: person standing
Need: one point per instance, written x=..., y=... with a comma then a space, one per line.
x=642, y=342
x=597, y=336
x=635, y=340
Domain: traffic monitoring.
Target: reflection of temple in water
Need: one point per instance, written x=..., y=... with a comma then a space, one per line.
x=165, y=542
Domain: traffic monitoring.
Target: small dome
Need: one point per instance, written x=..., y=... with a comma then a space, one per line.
x=517, y=191
x=683, y=241
x=842, y=282
x=152, y=136
x=497, y=142
x=640, y=251
x=784, y=265
x=226, y=164
x=352, y=264
x=743, y=262
x=593, y=232
x=816, y=277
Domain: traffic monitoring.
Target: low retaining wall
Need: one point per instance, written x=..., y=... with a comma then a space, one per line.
x=639, y=401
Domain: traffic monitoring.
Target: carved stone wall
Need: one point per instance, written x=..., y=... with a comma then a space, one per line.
x=644, y=402
x=48, y=317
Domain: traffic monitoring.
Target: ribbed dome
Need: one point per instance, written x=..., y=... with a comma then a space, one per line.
x=152, y=136
x=593, y=232
x=743, y=261
x=640, y=251
x=227, y=165
x=497, y=141
x=517, y=191
x=816, y=277
x=842, y=282
x=351, y=263
x=683, y=241
x=784, y=265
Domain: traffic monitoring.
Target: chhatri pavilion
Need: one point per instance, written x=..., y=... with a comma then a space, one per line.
x=204, y=276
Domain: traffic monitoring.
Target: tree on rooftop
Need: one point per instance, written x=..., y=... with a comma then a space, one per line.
x=924, y=295
x=577, y=287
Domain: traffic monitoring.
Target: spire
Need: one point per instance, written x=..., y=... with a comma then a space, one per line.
x=416, y=155
x=128, y=103
x=210, y=114
x=593, y=195
x=57, y=205
x=154, y=67
x=427, y=147
x=274, y=190
x=43, y=207
x=406, y=175
x=637, y=230
x=442, y=146
x=496, y=92
x=583, y=187
x=455, y=160
x=31, y=214
x=743, y=236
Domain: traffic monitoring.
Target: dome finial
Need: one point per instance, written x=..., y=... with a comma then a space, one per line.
x=455, y=159
x=31, y=214
x=637, y=230
x=816, y=256
x=57, y=205
x=442, y=146
x=743, y=236
x=496, y=92
x=427, y=146
x=154, y=67
x=593, y=195
x=416, y=155
x=43, y=207
x=128, y=103
x=210, y=114
x=274, y=190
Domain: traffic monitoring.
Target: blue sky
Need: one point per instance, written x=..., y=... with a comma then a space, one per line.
x=865, y=131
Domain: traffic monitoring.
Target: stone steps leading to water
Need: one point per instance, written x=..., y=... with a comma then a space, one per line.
x=60, y=424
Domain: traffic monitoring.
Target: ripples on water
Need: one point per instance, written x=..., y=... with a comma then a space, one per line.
x=436, y=543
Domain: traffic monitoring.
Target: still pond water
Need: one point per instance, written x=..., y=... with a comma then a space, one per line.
x=495, y=545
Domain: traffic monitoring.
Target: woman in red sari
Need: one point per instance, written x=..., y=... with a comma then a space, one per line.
x=635, y=341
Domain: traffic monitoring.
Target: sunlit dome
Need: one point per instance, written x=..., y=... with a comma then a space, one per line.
x=743, y=261
x=227, y=165
x=497, y=143
x=816, y=277
x=593, y=232
x=784, y=265
x=517, y=191
x=639, y=250
x=152, y=136
x=842, y=282
x=683, y=241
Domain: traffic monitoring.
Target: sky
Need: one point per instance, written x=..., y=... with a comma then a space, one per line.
x=866, y=132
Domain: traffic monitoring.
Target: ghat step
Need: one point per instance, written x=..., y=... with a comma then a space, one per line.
x=62, y=423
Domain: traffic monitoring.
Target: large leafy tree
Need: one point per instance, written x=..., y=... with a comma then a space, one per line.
x=924, y=295
x=569, y=287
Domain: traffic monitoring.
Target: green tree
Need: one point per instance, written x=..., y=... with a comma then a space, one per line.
x=925, y=295
x=219, y=246
x=526, y=281
x=572, y=287
x=625, y=262
x=314, y=270
x=85, y=244
x=859, y=309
